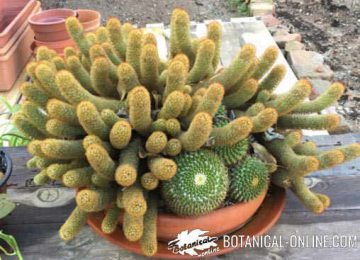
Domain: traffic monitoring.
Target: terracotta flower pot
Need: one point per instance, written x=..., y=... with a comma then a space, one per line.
x=90, y=19
x=169, y=225
x=6, y=169
x=15, y=14
x=260, y=223
x=50, y=25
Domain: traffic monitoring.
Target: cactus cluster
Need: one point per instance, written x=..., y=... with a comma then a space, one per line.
x=119, y=124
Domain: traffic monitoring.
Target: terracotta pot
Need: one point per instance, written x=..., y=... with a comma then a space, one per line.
x=169, y=225
x=58, y=46
x=14, y=15
x=260, y=223
x=90, y=19
x=50, y=25
x=6, y=169
x=15, y=55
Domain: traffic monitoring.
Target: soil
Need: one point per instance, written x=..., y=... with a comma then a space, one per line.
x=332, y=30
x=327, y=28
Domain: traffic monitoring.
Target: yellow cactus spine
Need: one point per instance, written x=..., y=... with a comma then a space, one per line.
x=59, y=63
x=120, y=134
x=330, y=158
x=173, y=127
x=156, y=142
x=91, y=121
x=176, y=78
x=255, y=109
x=128, y=79
x=27, y=128
x=100, y=78
x=326, y=99
x=73, y=63
x=109, y=117
x=149, y=67
x=100, y=161
x=243, y=94
x=148, y=241
x=287, y=102
x=351, y=151
x=34, y=94
x=197, y=133
x=314, y=122
x=203, y=61
x=139, y=103
x=163, y=168
x=77, y=178
x=306, y=148
x=173, y=147
x=41, y=178
x=102, y=35
x=133, y=50
x=73, y=224
x=57, y=170
x=35, y=115
x=127, y=171
x=133, y=227
x=111, y=53
x=293, y=138
x=46, y=75
x=61, y=129
x=173, y=105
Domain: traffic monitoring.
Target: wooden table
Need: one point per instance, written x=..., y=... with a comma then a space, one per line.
x=42, y=210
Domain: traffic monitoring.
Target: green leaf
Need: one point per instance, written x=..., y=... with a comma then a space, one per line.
x=6, y=206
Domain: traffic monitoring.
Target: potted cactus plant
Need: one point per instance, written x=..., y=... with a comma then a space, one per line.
x=154, y=147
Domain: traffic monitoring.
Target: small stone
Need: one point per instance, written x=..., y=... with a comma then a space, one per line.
x=261, y=9
x=294, y=46
x=309, y=64
x=274, y=29
x=319, y=86
x=270, y=20
x=282, y=39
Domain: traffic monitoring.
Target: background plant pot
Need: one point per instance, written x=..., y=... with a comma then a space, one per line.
x=6, y=168
x=90, y=19
x=218, y=222
x=13, y=15
x=259, y=224
x=50, y=25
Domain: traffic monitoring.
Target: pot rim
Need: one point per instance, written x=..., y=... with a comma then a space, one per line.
x=67, y=13
x=8, y=165
x=96, y=16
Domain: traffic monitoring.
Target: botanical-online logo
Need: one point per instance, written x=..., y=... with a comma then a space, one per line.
x=194, y=243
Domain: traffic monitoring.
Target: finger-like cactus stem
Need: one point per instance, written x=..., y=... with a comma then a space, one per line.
x=293, y=138
x=75, y=93
x=163, y=168
x=111, y=53
x=76, y=31
x=326, y=99
x=94, y=200
x=63, y=130
x=255, y=109
x=140, y=109
x=73, y=224
x=77, y=178
x=46, y=76
x=35, y=115
x=114, y=28
x=173, y=105
x=62, y=111
x=126, y=173
x=41, y=178
x=27, y=128
x=44, y=53
x=128, y=79
x=330, y=158
x=148, y=241
x=100, y=161
x=91, y=121
x=133, y=49
x=93, y=139
x=266, y=61
x=120, y=134
x=263, y=96
x=187, y=105
x=100, y=78
x=307, y=148
x=173, y=147
x=308, y=198
x=203, y=61
x=102, y=35
x=109, y=117
x=109, y=223
x=57, y=170
x=149, y=181
x=175, y=78
x=230, y=75
x=156, y=142
x=63, y=149
x=287, y=102
x=34, y=94
x=282, y=178
x=149, y=67
x=197, y=133
x=99, y=181
x=133, y=227
x=59, y=63
x=173, y=127
x=264, y=120
x=159, y=125
x=231, y=133
x=351, y=151
x=134, y=201
x=273, y=79
x=214, y=33
x=300, y=164
x=243, y=94
x=313, y=122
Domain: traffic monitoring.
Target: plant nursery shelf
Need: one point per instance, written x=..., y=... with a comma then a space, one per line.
x=41, y=211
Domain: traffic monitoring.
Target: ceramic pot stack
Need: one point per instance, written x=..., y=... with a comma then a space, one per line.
x=49, y=27
x=15, y=38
